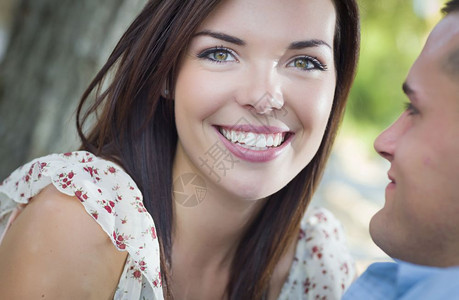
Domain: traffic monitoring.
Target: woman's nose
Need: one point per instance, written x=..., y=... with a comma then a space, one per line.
x=262, y=90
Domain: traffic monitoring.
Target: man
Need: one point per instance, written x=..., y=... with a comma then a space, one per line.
x=419, y=223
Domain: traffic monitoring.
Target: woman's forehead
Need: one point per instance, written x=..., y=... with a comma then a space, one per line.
x=264, y=19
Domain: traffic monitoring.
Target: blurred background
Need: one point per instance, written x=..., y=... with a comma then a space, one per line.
x=50, y=50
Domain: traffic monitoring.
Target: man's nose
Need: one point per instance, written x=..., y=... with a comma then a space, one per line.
x=385, y=143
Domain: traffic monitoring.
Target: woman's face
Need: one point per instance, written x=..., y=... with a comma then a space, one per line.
x=254, y=93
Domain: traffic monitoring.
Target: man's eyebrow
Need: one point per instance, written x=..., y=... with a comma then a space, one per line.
x=307, y=44
x=222, y=36
x=407, y=89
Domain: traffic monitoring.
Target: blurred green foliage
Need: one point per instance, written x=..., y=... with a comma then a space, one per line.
x=393, y=34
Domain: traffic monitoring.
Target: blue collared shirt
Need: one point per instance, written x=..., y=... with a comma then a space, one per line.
x=405, y=281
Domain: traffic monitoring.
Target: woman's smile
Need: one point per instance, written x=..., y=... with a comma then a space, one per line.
x=254, y=143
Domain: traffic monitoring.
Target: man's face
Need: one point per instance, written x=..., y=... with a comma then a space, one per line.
x=420, y=219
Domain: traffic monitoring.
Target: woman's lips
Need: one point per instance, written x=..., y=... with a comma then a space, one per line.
x=254, y=143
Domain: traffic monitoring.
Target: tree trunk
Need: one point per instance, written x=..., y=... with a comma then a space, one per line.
x=55, y=49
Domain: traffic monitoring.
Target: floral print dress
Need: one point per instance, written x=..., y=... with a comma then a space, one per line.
x=322, y=267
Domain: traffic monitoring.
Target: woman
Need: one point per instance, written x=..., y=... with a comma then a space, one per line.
x=229, y=108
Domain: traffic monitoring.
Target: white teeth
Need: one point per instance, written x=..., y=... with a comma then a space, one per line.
x=250, y=139
x=261, y=141
x=233, y=136
x=277, y=140
x=270, y=141
x=241, y=137
x=253, y=140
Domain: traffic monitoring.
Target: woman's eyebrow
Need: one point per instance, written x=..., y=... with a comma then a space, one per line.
x=234, y=40
x=307, y=44
x=222, y=36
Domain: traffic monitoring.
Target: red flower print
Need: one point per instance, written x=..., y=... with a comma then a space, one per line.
x=345, y=268
x=317, y=251
x=112, y=204
x=153, y=233
x=70, y=175
x=78, y=194
x=108, y=208
x=122, y=246
x=140, y=207
x=302, y=234
x=120, y=240
x=137, y=274
x=307, y=285
x=95, y=214
x=112, y=170
x=68, y=154
x=92, y=172
x=157, y=282
x=142, y=265
x=321, y=217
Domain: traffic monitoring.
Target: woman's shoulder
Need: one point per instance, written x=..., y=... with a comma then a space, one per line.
x=53, y=228
x=108, y=195
x=322, y=266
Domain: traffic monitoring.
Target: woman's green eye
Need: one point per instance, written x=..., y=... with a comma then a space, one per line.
x=307, y=64
x=220, y=55
x=301, y=63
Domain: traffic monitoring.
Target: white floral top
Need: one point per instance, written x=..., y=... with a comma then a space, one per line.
x=322, y=267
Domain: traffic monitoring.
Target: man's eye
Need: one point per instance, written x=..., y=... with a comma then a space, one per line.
x=307, y=63
x=218, y=55
x=411, y=109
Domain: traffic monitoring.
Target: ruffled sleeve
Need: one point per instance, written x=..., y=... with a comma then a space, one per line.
x=322, y=268
x=110, y=197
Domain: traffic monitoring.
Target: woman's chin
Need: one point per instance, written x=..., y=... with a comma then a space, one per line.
x=250, y=189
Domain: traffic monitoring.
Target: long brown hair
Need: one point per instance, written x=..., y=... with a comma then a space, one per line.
x=135, y=127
